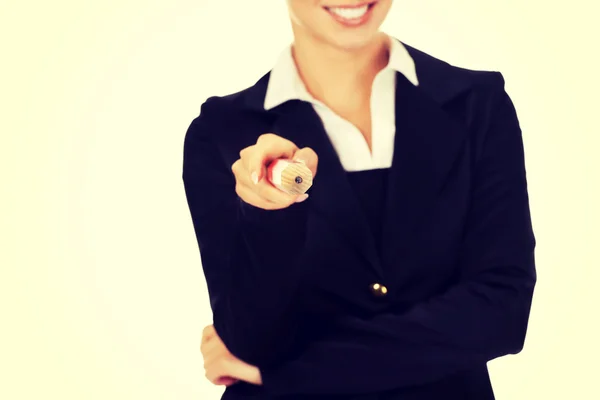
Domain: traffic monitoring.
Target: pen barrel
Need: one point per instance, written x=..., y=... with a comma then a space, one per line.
x=292, y=177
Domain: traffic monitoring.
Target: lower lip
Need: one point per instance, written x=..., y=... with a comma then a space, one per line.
x=355, y=21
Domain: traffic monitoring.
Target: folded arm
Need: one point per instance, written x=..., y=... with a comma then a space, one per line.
x=481, y=318
x=252, y=270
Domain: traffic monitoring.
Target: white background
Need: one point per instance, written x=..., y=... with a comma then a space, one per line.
x=102, y=293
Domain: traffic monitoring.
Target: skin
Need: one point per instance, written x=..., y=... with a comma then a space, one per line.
x=250, y=169
x=338, y=65
x=222, y=367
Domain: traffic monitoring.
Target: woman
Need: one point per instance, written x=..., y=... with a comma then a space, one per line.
x=409, y=265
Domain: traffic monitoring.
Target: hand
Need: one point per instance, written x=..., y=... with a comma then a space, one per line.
x=222, y=367
x=250, y=171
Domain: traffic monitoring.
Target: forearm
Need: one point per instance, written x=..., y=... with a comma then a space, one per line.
x=255, y=301
x=469, y=325
x=251, y=257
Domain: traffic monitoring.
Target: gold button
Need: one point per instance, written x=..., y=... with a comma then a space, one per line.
x=378, y=289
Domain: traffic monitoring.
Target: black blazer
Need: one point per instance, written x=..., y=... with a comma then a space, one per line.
x=292, y=290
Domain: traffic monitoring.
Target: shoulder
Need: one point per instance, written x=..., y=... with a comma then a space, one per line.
x=231, y=112
x=226, y=124
x=471, y=96
x=251, y=98
x=475, y=98
x=445, y=82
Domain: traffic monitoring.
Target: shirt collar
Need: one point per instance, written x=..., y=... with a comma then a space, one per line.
x=285, y=82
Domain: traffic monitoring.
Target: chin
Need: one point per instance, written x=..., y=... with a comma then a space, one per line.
x=352, y=41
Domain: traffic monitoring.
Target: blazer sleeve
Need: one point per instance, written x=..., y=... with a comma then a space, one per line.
x=250, y=257
x=482, y=317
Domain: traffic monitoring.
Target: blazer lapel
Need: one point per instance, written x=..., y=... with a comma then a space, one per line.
x=331, y=196
x=427, y=142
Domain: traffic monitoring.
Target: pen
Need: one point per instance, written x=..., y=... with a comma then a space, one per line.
x=292, y=177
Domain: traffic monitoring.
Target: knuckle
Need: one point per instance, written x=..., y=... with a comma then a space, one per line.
x=247, y=152
x=235, y=167
x=310, y=152
x=265, y=137
x=253, y=157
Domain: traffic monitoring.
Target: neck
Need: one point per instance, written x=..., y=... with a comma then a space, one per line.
x=332, y=74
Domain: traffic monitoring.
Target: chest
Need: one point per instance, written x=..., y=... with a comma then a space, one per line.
x=362, y=130
x=420, y=224
x=359, y=117
x=412, y=270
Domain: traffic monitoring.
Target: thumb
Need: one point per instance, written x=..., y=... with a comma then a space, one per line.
x=308, y=157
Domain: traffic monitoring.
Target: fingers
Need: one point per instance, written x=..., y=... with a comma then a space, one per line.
x=218, y=369
x=228, y=370
x=219, y=364
x=209, y=330
x=268, y=147
x=264, y=196
x=309, y=157
x=223, y=368
x=212, y=349
x=216, y=359
x=208, y=333
x=250, y=171
x=225, y=381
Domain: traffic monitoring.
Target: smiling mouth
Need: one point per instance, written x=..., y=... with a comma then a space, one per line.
x=351, y=15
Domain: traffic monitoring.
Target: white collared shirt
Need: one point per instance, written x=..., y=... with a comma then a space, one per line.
x=347, y=140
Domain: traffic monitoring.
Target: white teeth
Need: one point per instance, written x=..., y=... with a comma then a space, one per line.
x=350, y=13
